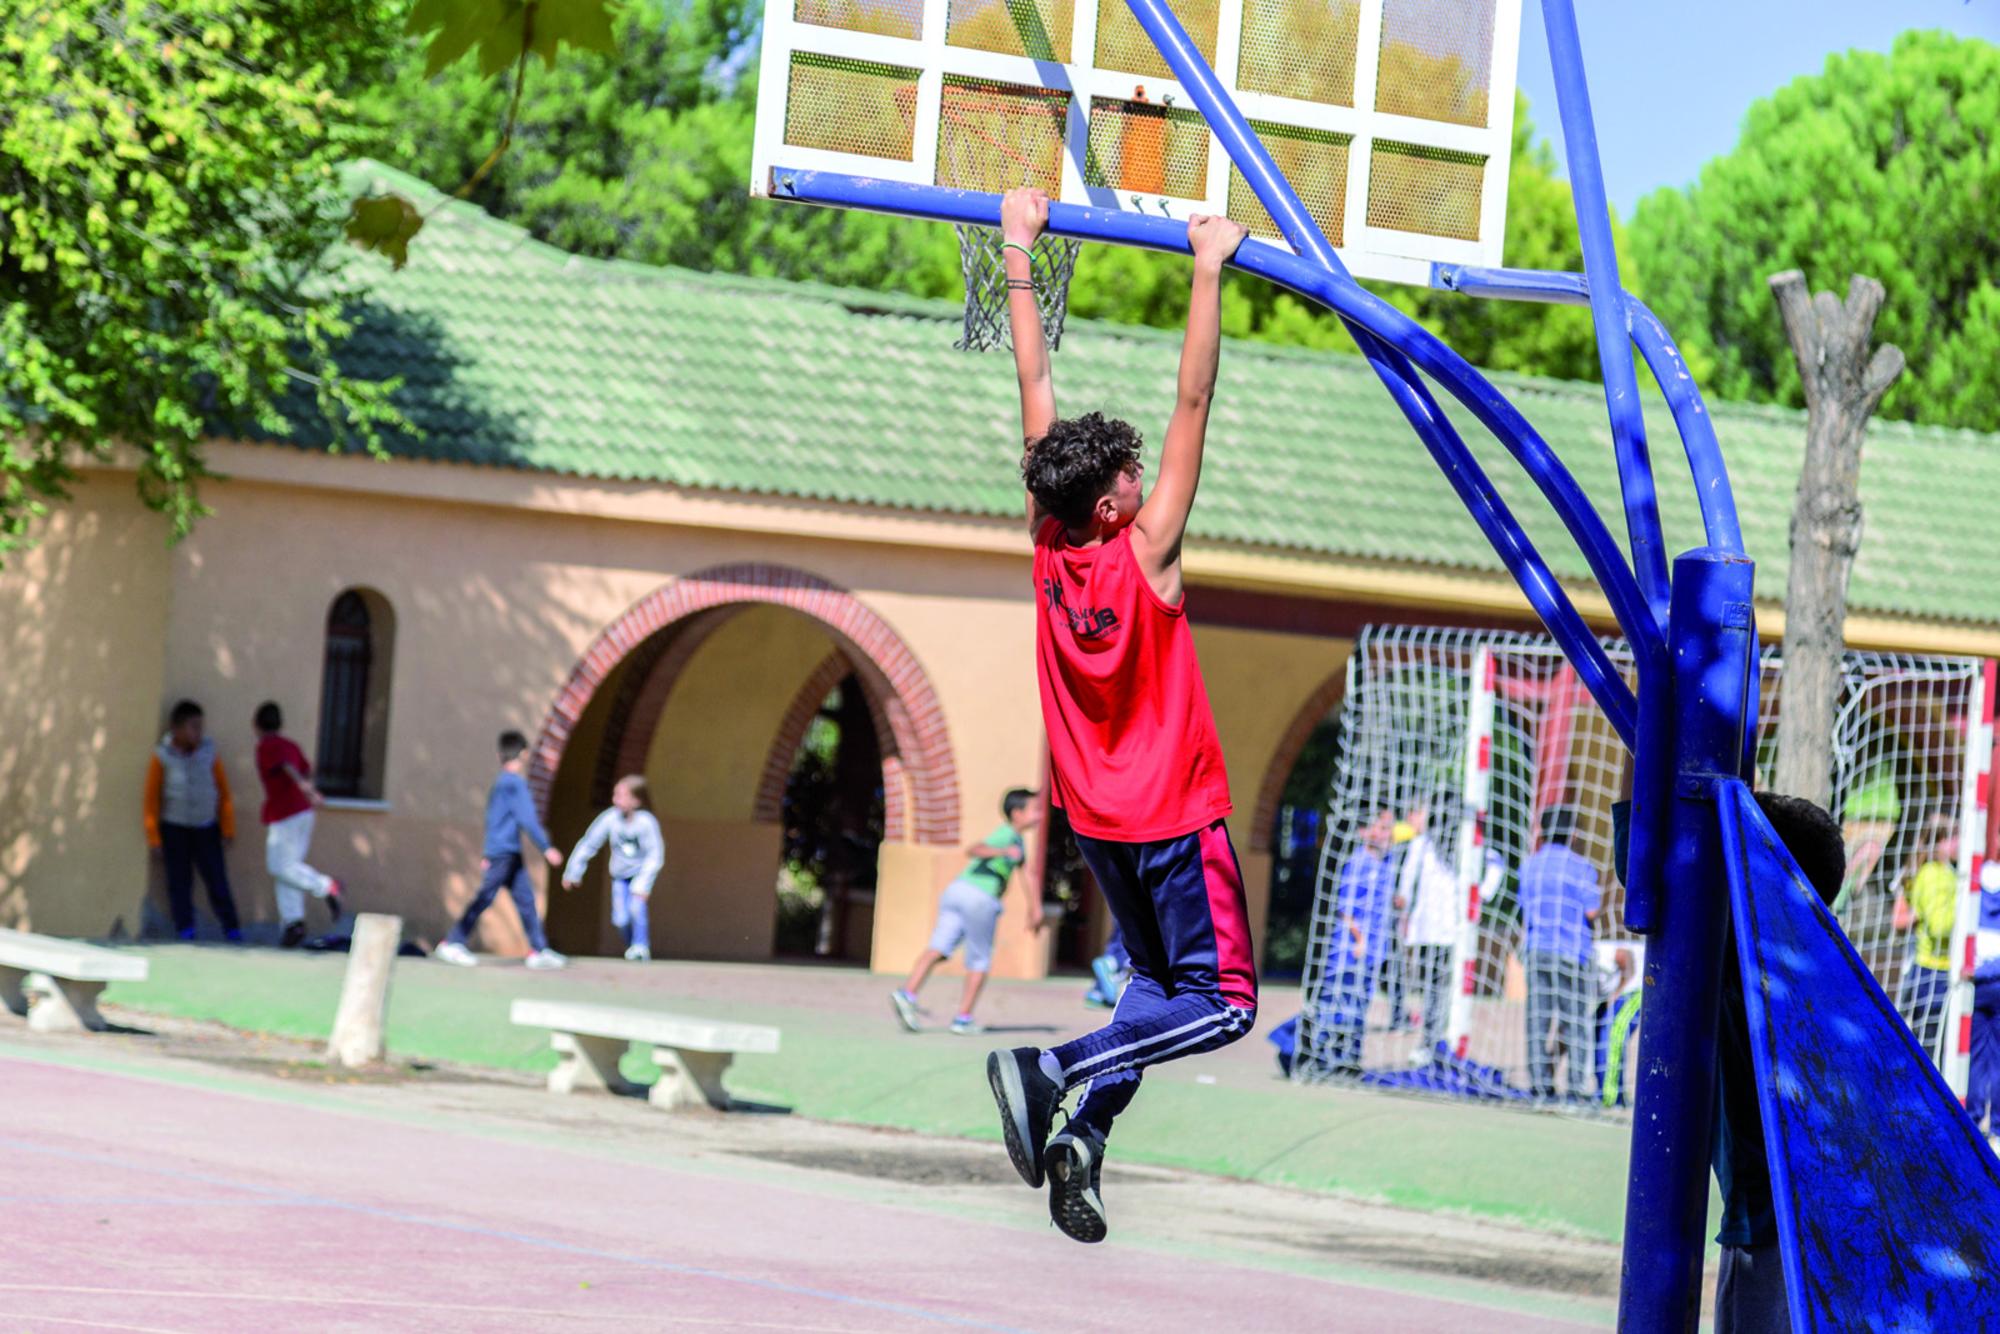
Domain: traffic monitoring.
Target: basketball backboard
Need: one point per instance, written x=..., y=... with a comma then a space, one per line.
x=1392, y=119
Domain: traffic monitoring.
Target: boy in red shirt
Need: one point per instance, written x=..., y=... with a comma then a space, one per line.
x=289, y=801
x=1135, y=763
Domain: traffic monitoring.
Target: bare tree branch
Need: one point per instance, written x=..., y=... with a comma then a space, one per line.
x=1843, y=385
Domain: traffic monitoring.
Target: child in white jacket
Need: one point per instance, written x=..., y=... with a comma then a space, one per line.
x=637, y=854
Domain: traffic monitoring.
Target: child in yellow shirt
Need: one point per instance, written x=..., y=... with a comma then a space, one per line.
x=1929, y=906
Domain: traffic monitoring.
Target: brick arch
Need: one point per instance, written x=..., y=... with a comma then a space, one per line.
x=656, y=667
x=1290, y=747
x=910, y=725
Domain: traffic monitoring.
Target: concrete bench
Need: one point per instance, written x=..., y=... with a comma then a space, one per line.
x=62, y=978
x=691, y=1053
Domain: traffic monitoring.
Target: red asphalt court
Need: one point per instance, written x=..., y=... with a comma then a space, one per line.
x=134, y=1204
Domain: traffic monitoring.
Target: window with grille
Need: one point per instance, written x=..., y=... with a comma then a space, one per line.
x=353, y=708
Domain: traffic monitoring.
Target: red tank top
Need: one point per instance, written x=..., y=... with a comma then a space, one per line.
x=1132, y=742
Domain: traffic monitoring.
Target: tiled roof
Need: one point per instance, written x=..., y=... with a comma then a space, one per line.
x=517, y=355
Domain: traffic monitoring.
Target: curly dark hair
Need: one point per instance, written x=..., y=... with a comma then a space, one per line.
x=1076, y=463
x=1813, y=838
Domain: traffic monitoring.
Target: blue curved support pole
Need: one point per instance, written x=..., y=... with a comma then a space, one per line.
x=1666, y=1204
x=1607, y=302
x=1372, y=315
x=1712, y=490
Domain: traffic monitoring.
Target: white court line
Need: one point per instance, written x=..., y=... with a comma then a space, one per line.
x=274, y=1299
x=87, y=1324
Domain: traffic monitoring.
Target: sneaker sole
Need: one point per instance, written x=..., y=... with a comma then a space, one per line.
x=1075, y=1209
x=1005, y=1079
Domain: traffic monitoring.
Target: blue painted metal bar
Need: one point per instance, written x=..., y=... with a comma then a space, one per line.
x=1550, y=287
x=1713, y=637
x=1704, y=452
x=1607, y=302
x=1316, y=283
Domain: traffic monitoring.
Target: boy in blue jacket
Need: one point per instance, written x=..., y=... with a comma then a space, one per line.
x=510, y=813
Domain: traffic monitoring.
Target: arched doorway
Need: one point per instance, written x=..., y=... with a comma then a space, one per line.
x=720, y=688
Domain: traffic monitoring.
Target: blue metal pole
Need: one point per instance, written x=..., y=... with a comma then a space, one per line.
x=1704, y=452
x=1370, y=315
x=1607, y=302
x=1712, y=636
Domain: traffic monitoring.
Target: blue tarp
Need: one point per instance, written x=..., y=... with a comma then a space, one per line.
x=1888, y=1199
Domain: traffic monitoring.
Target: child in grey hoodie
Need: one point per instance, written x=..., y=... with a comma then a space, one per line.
x=637, y=853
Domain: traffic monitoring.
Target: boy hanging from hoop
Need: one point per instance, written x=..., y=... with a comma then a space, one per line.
x=1134, y=758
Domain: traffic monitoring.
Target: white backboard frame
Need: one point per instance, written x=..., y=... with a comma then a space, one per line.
x=1368, y=251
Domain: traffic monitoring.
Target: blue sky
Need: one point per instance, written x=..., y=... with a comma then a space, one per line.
x=1671, y=79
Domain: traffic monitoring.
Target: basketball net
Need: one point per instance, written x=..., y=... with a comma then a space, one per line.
x=993, y=140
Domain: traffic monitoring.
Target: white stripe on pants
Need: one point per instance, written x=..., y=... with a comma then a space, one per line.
x=285, y=845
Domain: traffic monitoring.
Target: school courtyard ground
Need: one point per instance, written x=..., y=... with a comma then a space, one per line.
x=201, y=1168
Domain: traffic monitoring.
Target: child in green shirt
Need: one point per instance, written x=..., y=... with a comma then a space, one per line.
x=970, y=910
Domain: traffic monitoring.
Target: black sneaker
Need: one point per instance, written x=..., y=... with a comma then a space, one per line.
x=1028, y=1100
x=1074, y=1162
x=334, y=900
x=295, y=936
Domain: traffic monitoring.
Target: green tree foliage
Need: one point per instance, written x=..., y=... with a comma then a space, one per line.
x=167, y=195
x=644, y=154
x=1885, y=165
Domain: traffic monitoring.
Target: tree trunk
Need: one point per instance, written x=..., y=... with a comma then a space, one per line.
x=1843, y=386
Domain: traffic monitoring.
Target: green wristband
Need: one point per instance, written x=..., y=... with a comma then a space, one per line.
x=1016, y=245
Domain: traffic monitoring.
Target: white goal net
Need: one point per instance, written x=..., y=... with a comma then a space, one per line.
x=1468, y=933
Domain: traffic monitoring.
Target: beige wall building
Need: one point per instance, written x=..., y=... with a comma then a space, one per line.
x=652, y=519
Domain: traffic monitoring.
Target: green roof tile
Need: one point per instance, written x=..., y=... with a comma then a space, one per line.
x=517, y=355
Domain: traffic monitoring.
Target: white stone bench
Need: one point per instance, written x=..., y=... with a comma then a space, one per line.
x=691, y=1053
x=61, y=978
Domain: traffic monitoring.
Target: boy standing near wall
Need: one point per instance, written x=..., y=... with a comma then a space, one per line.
x=510, y=815
x=190, y=819
x=289, y=802
x=1134, y=758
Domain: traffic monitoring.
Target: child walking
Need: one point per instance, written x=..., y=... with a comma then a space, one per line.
x=1135, y=762
x=970, y=910
x=638, y=852
x=289, y=802
x=510, y=815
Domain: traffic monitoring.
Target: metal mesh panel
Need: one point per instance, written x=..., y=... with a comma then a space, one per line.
x=1463, y=752
x=1037, y=29
x=1148, y=149
x=884, y=18
x=1432, y=191
x=995, y=136
x=1123, y=45
x=1315, y=162
x=1899, y=760
x=1436, y=60
x=1305, y=49
x=851, y=106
